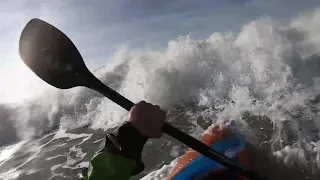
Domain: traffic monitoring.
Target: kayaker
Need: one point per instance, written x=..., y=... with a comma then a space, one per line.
x=121, y=157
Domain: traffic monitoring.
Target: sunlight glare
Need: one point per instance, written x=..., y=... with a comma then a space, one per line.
x=18, y=82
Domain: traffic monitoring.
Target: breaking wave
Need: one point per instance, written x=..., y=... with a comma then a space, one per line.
x=266, y=77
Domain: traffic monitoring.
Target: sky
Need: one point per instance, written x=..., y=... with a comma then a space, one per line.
x=98, y=28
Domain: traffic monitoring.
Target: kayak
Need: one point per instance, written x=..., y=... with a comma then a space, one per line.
x=224, y=139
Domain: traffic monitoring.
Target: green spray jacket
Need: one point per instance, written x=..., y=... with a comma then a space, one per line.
x=120, y=158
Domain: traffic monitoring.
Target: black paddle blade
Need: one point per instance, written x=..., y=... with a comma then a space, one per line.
x=51, y=55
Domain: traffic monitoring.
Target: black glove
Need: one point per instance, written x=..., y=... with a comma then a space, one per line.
x=127, y=142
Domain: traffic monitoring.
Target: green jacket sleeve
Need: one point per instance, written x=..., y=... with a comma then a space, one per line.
x=109, y=166
x=120, y=158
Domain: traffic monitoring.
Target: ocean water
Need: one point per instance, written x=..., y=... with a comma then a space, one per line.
x=266, y=77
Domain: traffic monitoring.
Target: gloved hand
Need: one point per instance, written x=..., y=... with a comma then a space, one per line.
x=148, y=119
x=145, y=121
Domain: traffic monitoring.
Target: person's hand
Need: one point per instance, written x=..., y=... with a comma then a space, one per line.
x=148, y=119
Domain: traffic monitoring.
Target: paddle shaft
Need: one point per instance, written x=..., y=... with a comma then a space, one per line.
x=174, y=132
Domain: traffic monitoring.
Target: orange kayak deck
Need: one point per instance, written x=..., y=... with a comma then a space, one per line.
x=193, y=165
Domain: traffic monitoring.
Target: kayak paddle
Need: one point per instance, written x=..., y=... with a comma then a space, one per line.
x=52, y=56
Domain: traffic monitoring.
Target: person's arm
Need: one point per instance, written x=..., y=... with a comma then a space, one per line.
x=121, y=157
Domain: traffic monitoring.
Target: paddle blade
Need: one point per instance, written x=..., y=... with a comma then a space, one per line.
x=51, y=55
